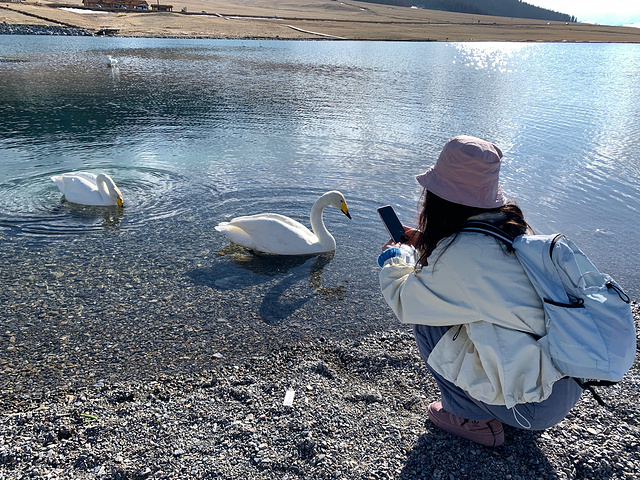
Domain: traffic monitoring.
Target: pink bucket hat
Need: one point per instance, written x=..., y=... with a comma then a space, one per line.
x=467, y=173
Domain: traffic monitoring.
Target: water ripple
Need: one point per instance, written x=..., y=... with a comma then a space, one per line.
x=33, y=204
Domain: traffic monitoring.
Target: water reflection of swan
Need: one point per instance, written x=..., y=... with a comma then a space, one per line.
x=111, y=62
x=280, y=235
x=88, y=189
x=276, y=265
x=286, y=293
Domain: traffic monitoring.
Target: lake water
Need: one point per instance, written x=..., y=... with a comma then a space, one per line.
x=195, y=132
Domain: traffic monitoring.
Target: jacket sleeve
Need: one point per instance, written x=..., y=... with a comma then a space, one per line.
x=431, y=297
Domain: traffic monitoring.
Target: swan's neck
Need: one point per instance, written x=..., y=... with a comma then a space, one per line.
x=317, y=224
x=106, y=187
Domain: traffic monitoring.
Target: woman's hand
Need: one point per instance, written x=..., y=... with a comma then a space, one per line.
x=390, y=244
x=412, y=237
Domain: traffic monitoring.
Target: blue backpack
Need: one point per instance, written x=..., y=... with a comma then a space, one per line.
x=590, y=329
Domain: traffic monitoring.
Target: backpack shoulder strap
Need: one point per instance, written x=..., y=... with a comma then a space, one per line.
x=488, y=229
x=589, y=384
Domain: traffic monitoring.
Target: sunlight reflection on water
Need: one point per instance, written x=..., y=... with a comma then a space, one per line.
x=498, y=56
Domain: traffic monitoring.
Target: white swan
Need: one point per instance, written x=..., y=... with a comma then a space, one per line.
x=280, y=235
x=111, y=62
x=88, y=189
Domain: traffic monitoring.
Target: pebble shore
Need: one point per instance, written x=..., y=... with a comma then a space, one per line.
x=358, y=412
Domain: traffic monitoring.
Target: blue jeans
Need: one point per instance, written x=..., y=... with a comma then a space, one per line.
x=531, y=416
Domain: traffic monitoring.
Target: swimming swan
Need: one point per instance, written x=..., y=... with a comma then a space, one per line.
x=111, y=62
x=88, y=189
x=280, y=235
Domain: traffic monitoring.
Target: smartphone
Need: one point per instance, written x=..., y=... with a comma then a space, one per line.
x=393, y=224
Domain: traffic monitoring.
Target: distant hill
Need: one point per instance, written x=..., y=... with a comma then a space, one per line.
x=501, y=8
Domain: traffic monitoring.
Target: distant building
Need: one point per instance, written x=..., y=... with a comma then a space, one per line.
x=162, y=8
x=124, y=4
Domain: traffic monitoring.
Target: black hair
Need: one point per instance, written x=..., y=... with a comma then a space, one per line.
x=440, y=219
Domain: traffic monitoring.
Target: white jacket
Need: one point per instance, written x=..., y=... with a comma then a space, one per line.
x=477, y=285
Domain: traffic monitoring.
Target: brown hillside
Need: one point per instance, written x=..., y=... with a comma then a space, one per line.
x=310, y=19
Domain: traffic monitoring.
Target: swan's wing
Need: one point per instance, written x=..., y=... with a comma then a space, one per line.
x=89, y=177
x=69, y=182
x=69, y=178
x=255, y=220
x=78, y=188
x=236, y=235
x=270, y=233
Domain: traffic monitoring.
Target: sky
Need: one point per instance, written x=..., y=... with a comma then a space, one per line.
x=606, y=12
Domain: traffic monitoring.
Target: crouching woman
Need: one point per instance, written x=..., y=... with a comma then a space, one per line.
x=477, y=320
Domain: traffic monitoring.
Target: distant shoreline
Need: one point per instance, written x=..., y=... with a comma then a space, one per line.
x=304, y=20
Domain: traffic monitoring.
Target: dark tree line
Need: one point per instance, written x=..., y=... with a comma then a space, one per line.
x=501, y=8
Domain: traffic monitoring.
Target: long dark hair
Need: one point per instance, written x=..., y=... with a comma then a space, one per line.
x=440, y=219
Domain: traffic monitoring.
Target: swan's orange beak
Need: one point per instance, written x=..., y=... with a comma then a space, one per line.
x=120, y=204
x=345, y=210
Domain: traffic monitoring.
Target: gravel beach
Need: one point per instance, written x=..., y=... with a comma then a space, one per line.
x=358, y=412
